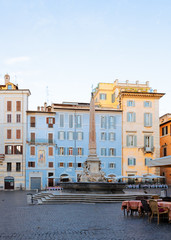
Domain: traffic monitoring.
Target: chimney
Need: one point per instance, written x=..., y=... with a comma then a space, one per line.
x=45, y=106
x=155, y=91
x=147, y=83
x=7, y=78
x=42, y=109
x=38, y=108
x=127, y=81
x=137, y=82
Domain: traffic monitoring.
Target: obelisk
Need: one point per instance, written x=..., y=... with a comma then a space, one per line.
x=92, y=166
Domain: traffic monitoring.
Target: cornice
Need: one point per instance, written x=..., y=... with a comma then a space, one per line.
x=142, y=94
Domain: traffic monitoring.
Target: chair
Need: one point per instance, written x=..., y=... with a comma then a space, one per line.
x=145, y=208
x=155, y=197
x=155, y=210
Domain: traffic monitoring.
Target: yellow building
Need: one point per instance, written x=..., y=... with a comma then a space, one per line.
x=140, y=122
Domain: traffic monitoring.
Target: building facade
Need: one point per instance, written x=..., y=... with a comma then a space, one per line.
x=13, y=126
x=57, y=144
x=165, y=145
x=140, y=122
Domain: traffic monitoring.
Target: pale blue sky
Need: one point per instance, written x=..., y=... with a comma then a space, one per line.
x=70, y=45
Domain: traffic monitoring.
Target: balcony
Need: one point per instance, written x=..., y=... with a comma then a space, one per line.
x=148, y=149
x=2, y=158
x=41, y=141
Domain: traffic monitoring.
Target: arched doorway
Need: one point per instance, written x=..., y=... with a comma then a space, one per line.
x=9, y=182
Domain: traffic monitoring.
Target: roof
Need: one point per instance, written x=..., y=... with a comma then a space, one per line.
x=159, y=162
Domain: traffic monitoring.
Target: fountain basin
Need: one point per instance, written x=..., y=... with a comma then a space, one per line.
x=93, y=187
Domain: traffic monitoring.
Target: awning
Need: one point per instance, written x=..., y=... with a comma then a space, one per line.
x=159, y=162
x=150, y=176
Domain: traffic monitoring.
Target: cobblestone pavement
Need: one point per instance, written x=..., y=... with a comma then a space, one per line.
x=19, y=221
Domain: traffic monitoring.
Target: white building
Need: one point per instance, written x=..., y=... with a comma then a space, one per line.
x=13, y=126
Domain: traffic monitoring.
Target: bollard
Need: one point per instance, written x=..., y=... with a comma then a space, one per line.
x=29, y=198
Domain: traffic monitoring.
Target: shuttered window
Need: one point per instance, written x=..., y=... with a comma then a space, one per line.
x=18, y=118
x=32, y=121
x=50, y=137
x=32, y=136
x=8, y=149
x=50, y=151
x=9, y=106
x=147, y=119
x=31, y=164
x=51, y=164
x=18, y=167
x=18, y=134
x=32, y=151
x=131, y=161
x=18, y=106
x=18, y=149
x=9, y=133
x=71, y=121
x=9, y=118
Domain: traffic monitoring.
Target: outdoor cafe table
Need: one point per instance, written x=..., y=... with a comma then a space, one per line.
x=132, y=205
x=168, y=205
x=136, y=205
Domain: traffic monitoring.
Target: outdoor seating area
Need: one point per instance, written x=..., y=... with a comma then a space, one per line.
x=155, y=207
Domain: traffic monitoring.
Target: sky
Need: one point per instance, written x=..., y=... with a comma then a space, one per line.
x=59, y=49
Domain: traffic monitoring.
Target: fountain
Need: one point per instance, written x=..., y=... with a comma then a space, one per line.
x=92, y=178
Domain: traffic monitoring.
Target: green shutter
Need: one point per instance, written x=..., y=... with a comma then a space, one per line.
x=127, y=140
x=135, y=141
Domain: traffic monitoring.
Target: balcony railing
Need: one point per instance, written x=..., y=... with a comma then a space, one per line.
x=41, y=141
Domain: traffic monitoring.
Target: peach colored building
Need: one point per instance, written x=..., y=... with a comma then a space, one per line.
x=165, y=144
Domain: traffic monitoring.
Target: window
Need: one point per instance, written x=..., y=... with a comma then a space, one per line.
x=147, y=104
x=102, y=96
x=165, y=130
x=18, y=118
x=61, y=135
x=70, y=164
x=103, y=122
x=32, y=136
x=50, y=121
x=111, y=122
x=147, y=161
x=164, y=151
x=78, y=121
x=9, y=133
x=50, y=151
x=79, y=165
x=18, y=106
x=70, y=121
x=103, y=136
x=148, y=143
x=131, y=117
x=61, y=151
x=18, y=149
x=112, y=152
x=103, y=151
x=50, y=164
x=9, y=118
x=130, y=103
x=131, y=141
x=8, y=149
x=32, y=151
x=50, y=137
x=9, y=106
x=79, y=151
x=111, y=136
x=147, y=119
x=18, y=167
x=70, y=151
x=32, y=121
x=50, y=174
x=61, y=164
x=113, y=98
x=18, y=134
x=131, y=161
x=79, y=136
x=31, y=164
x=112, y=165
x=61, y=120
x=9, y=167
x=70, y=135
